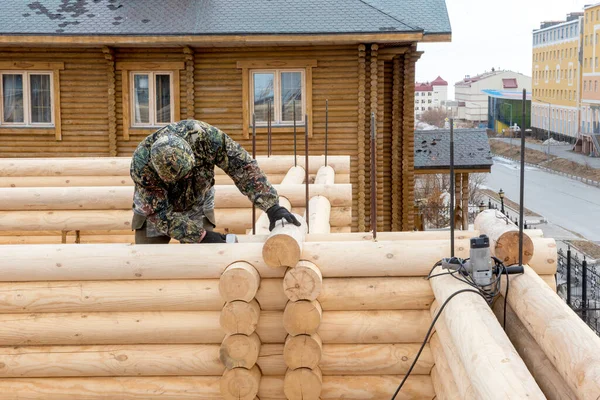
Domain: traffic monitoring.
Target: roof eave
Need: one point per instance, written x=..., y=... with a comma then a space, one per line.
x=437, y=37
x=210, y=40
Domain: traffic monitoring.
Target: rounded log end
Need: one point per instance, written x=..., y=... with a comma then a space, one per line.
x=281, y=251
x=302, y=317
x=240, y=383
x=240, y=317
x=507, y=248
x=303, y=351
x=240, y=351
x=303, y=384
x=239, y=281
x=303, y=282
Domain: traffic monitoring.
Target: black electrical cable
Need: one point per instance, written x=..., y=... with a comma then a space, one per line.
x=437, y=315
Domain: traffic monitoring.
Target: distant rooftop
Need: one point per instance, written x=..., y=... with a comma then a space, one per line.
x=471, y=149
x=428, y=86
x=507, y=94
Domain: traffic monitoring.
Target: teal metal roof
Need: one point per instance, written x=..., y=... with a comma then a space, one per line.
x=507, y=94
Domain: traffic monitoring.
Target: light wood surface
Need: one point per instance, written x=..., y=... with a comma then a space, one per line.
x=561, y=334
x=239, y=281
x=320, y=214
x=303, y=282
x=302, y=317
x=303, y=351
x=283, y=247
x=441, y=374
x=240, y=383
x=482, y=345
x=303, y=384
x=240, y=351
x=240, y=317
x=326, y=175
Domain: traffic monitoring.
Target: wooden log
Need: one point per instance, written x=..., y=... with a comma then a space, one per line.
x=239, y=281
x=62, y=181
x=125, y=262
x=545, y=374
x=550, y=281
x=441, y=374
x=122, y=388
x=303, y=384
x=294, y=176
x=376, y=387
x=240, y=383
x=303, y=351
x=302, y=317
x=119, y=197
x=320, y=212
x=274, y=179
x=545, y=256
x=110, y=360
x=119, y=166
x=482, y=345
x=338, y=216
x=240, y=317
x=504, y=237
x=126, y=296
x=562, y=335
x=240, y=351
x=460, y=377
x=325, y=176
x=283, y=247
x=303, y=282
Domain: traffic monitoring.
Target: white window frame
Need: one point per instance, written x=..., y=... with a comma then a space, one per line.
x=27, y=99
x=277, y=121
x=151, y=98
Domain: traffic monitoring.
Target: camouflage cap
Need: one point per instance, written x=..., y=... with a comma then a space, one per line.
x=172, y=158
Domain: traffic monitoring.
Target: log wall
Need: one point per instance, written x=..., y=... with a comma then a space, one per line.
x=354, y=80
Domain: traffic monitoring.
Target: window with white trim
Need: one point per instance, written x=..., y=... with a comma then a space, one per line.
x=26, y=98
x=281, y=90
x=152, y=100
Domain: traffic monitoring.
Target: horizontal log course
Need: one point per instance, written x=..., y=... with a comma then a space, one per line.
x=122, y=388
x=119, y=166
x=303, y=351
x=205, y=388
x=302, y=317
x=561, y=334
x=303, y=384
x=326, y=175
x=504, y=237
x=483, y=347
x=320, y=211
x=303, y=282
x=238, y=219
x=199, y=360
x=240, y=351
x=208, y=261
x=240, y=383
x=545, y=374
x=239, y=281
x=545, y=256
x=74, y=181
x=240, y=317
x=120, y=197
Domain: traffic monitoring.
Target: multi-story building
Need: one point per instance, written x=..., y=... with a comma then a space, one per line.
x=430, y=95
x=590, y=93
x=473, y=102
x=556, y=77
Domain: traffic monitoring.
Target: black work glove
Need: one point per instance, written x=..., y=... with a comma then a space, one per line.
x=277, y=212
x=213, y=237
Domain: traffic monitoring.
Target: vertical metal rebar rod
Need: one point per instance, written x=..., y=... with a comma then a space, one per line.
x=522, y=182
x=269, y=128
x=569, y=276
x=584, y=294
x=295, y=146
x=326, y=128
x=373, y=177
x=306, y=172
x=253, y=157
x=452, y=193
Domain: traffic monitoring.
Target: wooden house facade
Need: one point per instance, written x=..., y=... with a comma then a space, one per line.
x=75, y=86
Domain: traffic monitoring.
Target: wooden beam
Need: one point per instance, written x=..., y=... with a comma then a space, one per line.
x=437, y=37
x=276, y=63
x=362, y=132
x=31, y=65
x=149, y=65
x=209, y=40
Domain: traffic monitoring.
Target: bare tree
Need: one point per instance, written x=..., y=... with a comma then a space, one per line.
x=435, y=116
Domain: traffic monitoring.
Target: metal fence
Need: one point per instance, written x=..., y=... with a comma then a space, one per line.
x=579, y=285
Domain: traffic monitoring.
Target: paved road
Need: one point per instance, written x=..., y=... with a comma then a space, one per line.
x=562, y=201
x=562, y=151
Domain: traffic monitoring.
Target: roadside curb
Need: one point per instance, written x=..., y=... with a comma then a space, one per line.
x=546, y=169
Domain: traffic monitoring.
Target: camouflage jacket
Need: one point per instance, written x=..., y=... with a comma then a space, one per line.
x=168, y=206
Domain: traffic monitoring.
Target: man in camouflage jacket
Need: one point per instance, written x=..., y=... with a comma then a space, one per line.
x=173, y=173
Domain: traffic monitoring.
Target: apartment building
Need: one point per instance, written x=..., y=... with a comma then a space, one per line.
x=556, y=77
x=590, y=93
x=430, y=95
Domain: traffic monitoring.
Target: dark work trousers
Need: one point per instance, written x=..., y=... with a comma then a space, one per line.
x=139, y=225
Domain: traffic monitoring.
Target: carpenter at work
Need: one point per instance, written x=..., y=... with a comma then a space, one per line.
x=173, y=173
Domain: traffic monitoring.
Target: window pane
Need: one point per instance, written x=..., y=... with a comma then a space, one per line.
x=141, y=94
x=163, y=99
x=263, y=95
x=12, y=93
x=41, y=108
x=291, y=90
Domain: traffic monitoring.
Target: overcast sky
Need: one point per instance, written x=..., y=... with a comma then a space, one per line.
x=489, y=33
